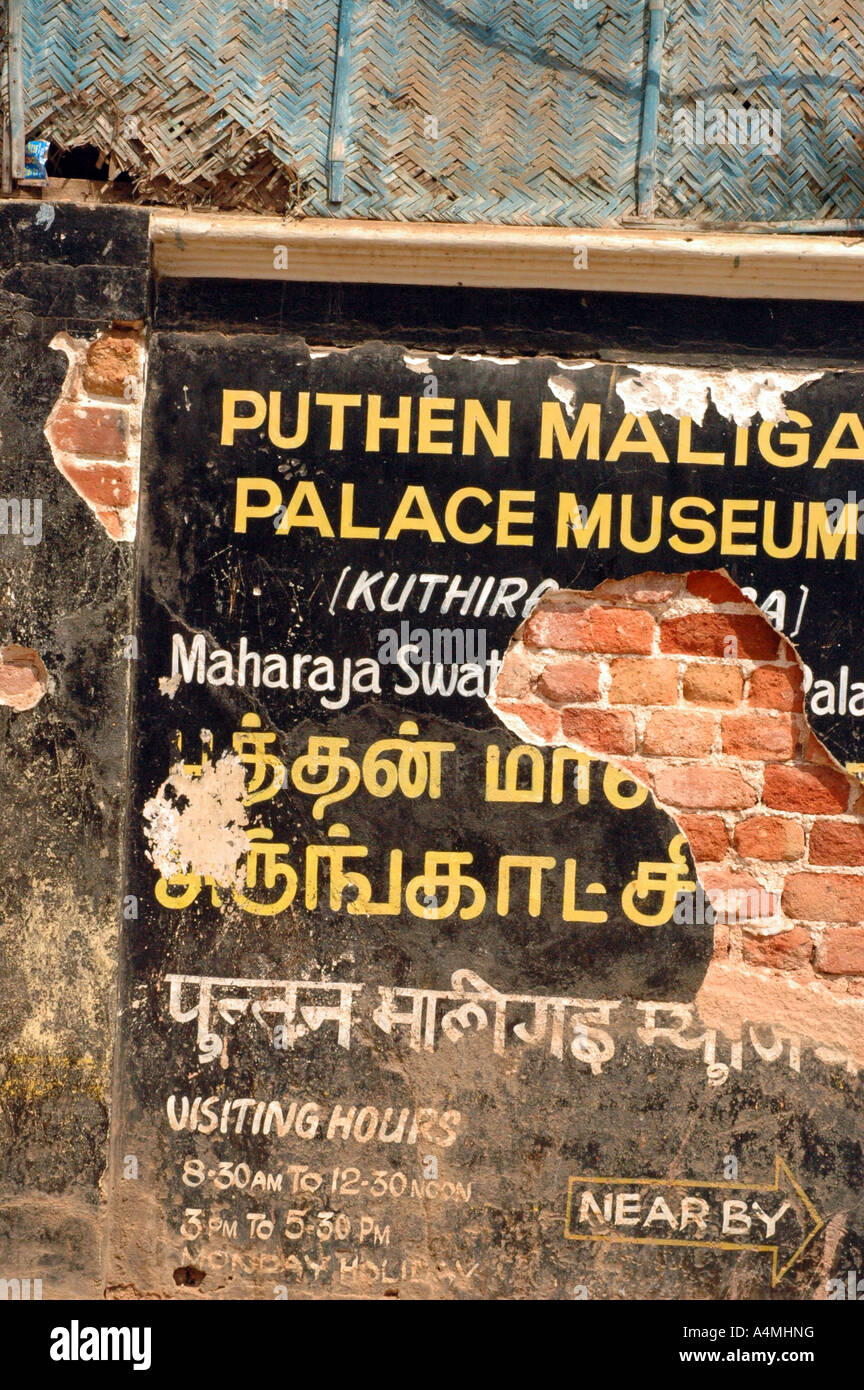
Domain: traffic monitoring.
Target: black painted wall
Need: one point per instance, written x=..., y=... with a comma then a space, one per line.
x=62, y=763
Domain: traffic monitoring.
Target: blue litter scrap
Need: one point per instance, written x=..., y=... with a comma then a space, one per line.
x=35, y=161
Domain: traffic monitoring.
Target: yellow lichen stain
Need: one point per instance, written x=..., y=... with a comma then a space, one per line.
x=31, y=1077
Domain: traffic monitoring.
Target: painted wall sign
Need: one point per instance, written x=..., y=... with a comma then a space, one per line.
x=400, y=979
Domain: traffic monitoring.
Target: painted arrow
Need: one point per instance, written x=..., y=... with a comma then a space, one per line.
x=609, y=1211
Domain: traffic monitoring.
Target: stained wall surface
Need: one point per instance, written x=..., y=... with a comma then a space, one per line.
x=66, y=276
x=431, y=809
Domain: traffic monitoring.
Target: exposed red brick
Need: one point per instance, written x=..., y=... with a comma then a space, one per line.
x=824, y=897
x=104, y=485
x=515, y=675
x=766, y=730
x=739, y=897
x=707, y=835
x=776, y=687
x=816, y=751
x=770, y=838
x=706, y=684
x=713, y=634
x=593, y=629
x=540, y=719
x=23, y=677
x=112, y=523
x=622, y=630
x=609, y=731
x=678, y=733
x=785, y=950
x=636, y=681
x=91, y=431
x=841, y=951
x=564, y=628
x=707, y=788
x=110, y=363
x=570, y=680
x=761, y=737
x=836, y=842
x=721, y=942
x=813, y=791
x=641, y=588
x=716, y=587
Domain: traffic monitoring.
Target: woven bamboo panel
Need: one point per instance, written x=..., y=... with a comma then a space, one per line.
x=513, y=111
x=518, y=111
x=536, y=102
x=803, y=60
x=197, y=99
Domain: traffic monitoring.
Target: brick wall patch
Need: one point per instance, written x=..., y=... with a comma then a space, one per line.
x=23, y=677
x=683, y=682
x=94, y=429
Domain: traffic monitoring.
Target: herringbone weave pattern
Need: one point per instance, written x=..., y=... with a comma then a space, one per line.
x=194, y=98
x=803, y=60
x=536, y=101
x=520, y=111
x=495, y=110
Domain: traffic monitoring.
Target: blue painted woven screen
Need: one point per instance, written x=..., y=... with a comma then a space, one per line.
x=519, y=111
x=788, y=77
x=481, y=110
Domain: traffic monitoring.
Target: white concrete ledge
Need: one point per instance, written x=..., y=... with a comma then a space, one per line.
x=732, y=265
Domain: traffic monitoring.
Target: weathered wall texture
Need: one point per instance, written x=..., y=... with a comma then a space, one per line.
x=670, y=1065
x=65, y=607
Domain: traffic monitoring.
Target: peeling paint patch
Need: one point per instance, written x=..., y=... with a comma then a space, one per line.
x=94, y=428
x=722, y=742
x=169, y=685
x=733, y=996
x=416, y=364
x=23, y=677
x=564, y=391
x=484, y=357
x=737, y=395
x=195, y=822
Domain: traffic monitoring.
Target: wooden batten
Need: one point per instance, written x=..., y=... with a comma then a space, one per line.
x=728, y=264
